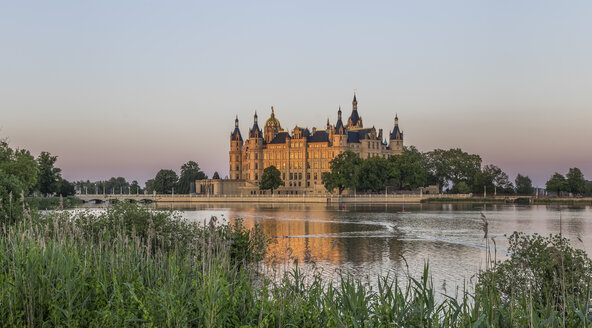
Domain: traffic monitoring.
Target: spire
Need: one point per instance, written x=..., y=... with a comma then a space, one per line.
x=255, y=121
x=236, y=135
x=355, y=102
x=328, y=125
x=236, y=122
x=272, y=113
x=339, y=128
x=396, y=120
x=354, y=121
x=339, y=114
x=397, y=134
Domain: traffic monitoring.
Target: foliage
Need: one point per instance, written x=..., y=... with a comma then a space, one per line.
x=344, y=171
x=52, y=203
x=20, y=164
x=216, y=176
x=524, y=185
x=494, y=179
x=461, y=188
x=588, y=188
x=49, y=176
x=271, y=179
x=375, y=173
x=65, y=188
x=453, y=166
x=575, y=182
x=190, y=172
x=135, y=267
x=547, y=268
x=135, y=188
x=557, y=183
x=165, y=181
x=149, y=187
x=410, y=169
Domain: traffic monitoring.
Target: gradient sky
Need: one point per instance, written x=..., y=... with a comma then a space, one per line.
x=125, y=88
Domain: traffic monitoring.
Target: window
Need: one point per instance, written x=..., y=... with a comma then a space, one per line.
x=315, y=176
x=299, y=176
x=256, y=156
x=308, y=183
x=307, y=176
x=256, y=166
x=291, y=176
x=256, y=176
x=299, y=184
x=283, y=176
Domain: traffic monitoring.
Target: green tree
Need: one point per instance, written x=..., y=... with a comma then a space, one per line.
x=461, y=188
x=524, y=185
x=190, y=172
x=271, y=179
x=493, y=178
x=556, y=184
x=49, y=178
x=588, y=188
x=135, y=188
x=344, y=171
x=375, y=173
x=449, y=167
x=410, y=169
x=116, y=185
x=165, y=181
x=575, y=183
x=216, y=176
x=66, y=188
x=20, y=164
x=149, y=187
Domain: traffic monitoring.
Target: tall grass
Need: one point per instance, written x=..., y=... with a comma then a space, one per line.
x=134, y=267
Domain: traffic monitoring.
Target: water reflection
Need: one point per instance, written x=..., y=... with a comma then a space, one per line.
x=392, y=239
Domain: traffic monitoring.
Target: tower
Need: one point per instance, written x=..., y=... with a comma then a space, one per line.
x=236, y=147
x=254, y=152
x=396, y=139
x=355, y=120
x=339, y=136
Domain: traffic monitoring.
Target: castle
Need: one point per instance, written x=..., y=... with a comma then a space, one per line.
x=301, y=156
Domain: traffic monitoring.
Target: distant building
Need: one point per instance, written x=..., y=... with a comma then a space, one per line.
x=301, y=156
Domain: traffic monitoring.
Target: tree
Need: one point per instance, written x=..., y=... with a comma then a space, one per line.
x=271, y=179
x=375, y=172
x=344, y=171
x=523, y=185
x=410, y=168
x=492, y=178
x=216, y=176
x=149, y=186
x=461, y=188
x=49, y=176
x=66, y=188
x=557, y=183
x=588, y=188
x=165, y=181
x=20, y=164
x=190, y=172
x=452, y=166
x=575, y=183
x=135, y=188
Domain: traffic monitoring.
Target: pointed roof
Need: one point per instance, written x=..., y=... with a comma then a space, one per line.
x=354, y=118
x=339, y=128
x=255, y=131
x=397, y=134
x=236, y=135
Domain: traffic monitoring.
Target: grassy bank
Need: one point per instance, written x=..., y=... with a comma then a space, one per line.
x=133, y=267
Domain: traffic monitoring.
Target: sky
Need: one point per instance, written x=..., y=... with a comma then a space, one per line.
x=126, y=88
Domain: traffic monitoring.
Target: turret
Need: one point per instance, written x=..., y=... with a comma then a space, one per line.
x=255, y=152
x=340, y=133
x=396, y=138
x=236, y=146
x=355, y=120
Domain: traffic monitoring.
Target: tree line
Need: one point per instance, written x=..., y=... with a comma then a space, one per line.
x=453, y=170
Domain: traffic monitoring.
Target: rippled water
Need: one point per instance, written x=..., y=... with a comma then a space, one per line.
x=387, y=239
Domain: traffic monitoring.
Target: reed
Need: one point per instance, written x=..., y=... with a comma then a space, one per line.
x=130, y=266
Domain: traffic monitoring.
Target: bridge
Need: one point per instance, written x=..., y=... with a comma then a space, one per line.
x=174, y=198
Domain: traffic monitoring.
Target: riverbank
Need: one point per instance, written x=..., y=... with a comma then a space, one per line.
x=510, y=200
x=130, y=266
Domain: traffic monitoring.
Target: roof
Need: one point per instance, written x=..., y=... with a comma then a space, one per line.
x=280, y=138
x=396, y=134
x=354, y=117
x=236, y=135
x=353, y=137
x=319, y=136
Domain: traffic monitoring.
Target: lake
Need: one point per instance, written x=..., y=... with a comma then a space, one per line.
x=373, y=240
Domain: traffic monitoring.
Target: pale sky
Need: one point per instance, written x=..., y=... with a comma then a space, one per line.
x=125, y=88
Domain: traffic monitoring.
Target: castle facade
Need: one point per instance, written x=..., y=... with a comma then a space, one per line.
x=301, y=155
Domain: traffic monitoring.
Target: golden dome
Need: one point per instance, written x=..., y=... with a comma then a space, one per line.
x=272, y=121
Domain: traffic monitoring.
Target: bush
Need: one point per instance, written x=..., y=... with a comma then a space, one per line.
x=547, y=269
